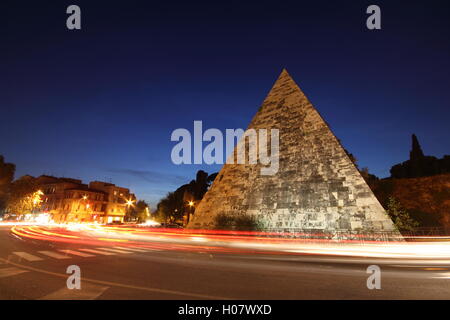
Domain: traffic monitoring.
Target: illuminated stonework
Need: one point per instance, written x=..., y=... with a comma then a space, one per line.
x=317, y=187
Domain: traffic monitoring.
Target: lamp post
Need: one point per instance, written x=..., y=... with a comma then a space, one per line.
x=86, y=205
x=129, y=204
x=147, y=213
x=191, y=207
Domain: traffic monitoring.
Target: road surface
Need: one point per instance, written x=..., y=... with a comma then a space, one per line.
x=36, y=269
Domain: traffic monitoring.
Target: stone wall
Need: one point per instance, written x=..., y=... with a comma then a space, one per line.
x=317, y=187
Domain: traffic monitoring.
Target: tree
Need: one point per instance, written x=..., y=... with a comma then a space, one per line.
x=420, y=165
x=176, y=204
x=142, y=209
x=368, y=177
x=171, y=207
x=139, y=212
x=198, y=187
x=25, y=196
x=400, y=216
x=7, y=171
x=352, y=158
x=130, y=214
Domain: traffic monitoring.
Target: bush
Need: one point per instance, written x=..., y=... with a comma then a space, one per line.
x=400, y=216
x=223, y=222
x=242, y=222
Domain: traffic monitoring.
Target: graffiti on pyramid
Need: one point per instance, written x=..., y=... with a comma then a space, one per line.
x=316, y=188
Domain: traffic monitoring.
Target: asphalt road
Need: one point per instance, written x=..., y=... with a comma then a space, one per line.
x=32, y=269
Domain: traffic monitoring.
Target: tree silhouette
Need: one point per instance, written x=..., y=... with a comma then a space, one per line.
x=176, y=204
x=20, y=200
x=7, y=171
x=420, y=165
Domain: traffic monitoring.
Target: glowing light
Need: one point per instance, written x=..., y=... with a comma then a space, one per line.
x=36, y=197
x=42, y=218
x=198, y=239
x=191, y=203
x=150, y=223
x=114, y=240
x=433, y=253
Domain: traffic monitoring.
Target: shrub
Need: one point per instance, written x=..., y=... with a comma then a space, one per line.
x=242, y=222
x=400, y=216
x=223, y=222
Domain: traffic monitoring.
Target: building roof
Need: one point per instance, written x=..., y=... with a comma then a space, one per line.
x=106, y=184
x=51, y=179
x=86, y=189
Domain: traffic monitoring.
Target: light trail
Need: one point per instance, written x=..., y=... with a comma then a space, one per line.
x=220, y=241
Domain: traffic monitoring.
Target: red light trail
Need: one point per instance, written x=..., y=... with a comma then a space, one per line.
x=244, y=242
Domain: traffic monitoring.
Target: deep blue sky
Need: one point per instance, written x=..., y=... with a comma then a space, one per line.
x=101, y=103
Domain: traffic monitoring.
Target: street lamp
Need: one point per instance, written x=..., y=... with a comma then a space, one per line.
x=191, y=206
x=129, y=204
x=86, y=213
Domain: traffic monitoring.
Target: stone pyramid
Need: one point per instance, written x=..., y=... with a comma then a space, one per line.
x=317, y=187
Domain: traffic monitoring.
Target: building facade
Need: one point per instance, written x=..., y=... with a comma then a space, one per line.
x=69, y=200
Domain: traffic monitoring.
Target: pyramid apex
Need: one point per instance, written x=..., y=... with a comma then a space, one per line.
x=284, y=72
x=284, y=75
x=285, y=79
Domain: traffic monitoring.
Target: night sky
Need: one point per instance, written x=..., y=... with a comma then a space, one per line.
x=102, y=102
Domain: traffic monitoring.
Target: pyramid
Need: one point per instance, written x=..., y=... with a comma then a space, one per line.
x=317, y=186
